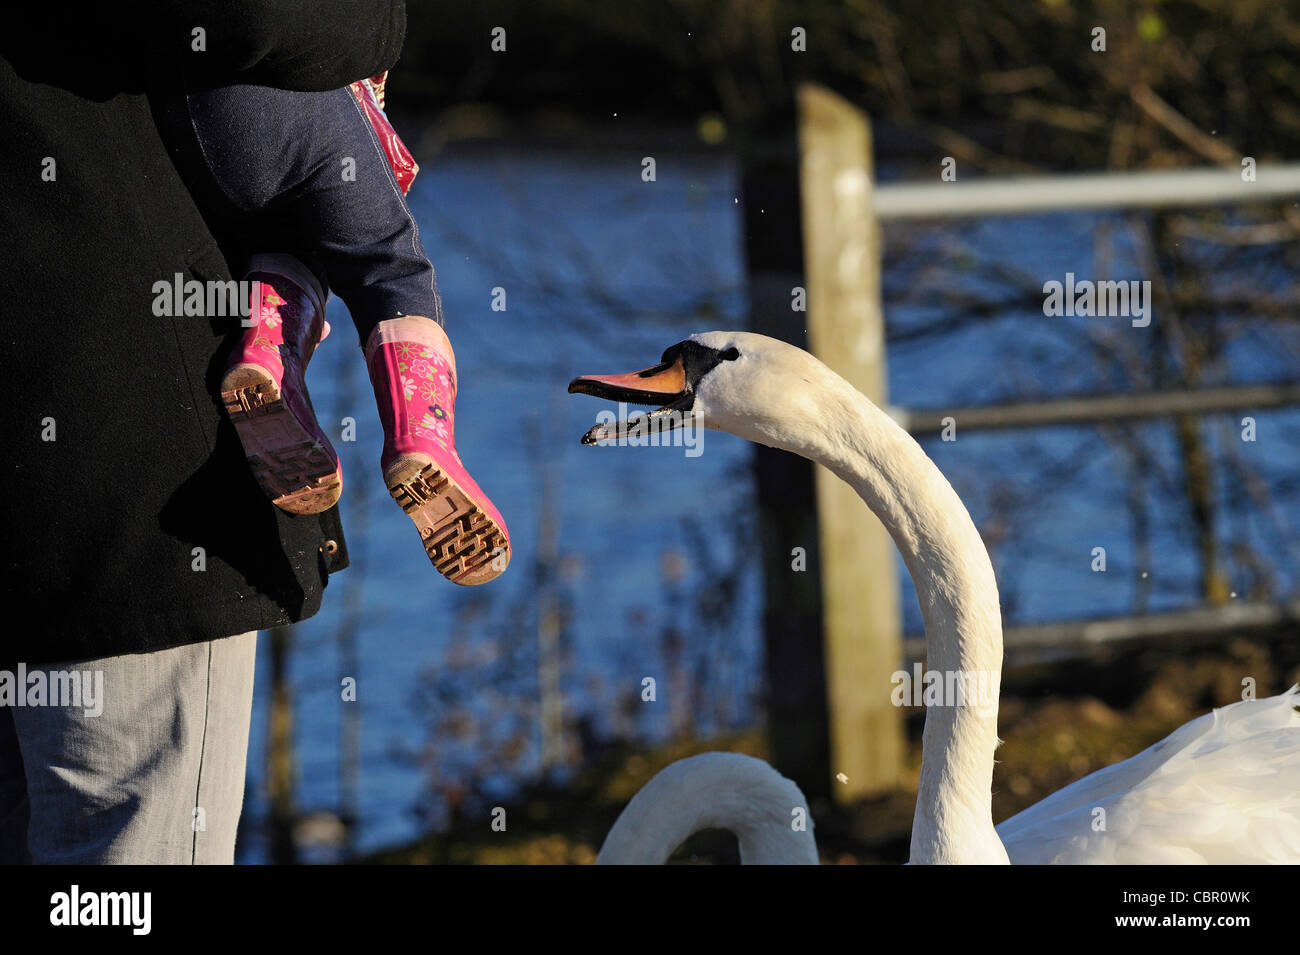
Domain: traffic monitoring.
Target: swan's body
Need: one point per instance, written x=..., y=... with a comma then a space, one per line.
x=1222, y=788
x=766, y=812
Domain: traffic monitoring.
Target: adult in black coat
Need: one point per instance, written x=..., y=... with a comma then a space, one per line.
x=131, y=521
x=122, y=477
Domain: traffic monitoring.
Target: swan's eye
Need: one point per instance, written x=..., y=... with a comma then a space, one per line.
x=731, y=354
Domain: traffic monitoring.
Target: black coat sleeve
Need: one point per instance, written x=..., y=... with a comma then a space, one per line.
x=292, y=44
x=133, y=45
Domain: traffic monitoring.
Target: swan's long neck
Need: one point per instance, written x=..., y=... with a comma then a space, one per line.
x=746, y=796
x=954, y=581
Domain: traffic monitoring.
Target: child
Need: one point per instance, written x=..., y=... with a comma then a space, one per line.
x=320, y=177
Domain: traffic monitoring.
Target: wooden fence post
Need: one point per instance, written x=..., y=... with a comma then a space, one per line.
x=860, y=593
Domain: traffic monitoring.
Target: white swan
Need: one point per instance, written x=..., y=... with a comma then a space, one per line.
x=1223, y=788
x=766, y=812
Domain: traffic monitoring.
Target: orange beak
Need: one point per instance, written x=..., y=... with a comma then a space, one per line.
x=650, y=386
x=664, y=385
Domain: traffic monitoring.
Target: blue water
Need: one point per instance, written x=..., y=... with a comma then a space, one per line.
x=602, y=271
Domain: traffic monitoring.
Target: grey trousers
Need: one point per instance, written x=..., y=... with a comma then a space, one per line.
x=156, y=778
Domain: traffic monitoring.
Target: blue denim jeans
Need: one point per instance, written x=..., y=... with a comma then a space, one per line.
x=305, y=174
x=156, y=776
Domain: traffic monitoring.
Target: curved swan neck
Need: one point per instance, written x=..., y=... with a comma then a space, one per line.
x=728, y=791
x=958, y=594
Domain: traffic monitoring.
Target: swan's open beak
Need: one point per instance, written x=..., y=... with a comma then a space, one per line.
x=663, y=385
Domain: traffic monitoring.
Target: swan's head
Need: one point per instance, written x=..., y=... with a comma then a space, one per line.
x=749, y=385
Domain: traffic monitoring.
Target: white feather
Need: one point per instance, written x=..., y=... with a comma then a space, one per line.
x=1223, y=788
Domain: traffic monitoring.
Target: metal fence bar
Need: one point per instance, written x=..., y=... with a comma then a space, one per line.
x=1088, y=634
x=1022, y=195
x=1085, y=410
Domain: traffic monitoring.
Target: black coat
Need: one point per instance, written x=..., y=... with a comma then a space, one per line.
x=103, y=525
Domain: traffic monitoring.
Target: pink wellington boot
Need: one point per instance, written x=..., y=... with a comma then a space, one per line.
x=265, y=393
x=413, y=370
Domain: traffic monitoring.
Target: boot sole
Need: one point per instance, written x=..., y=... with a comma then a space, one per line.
x=295, y=471
x=459, y=537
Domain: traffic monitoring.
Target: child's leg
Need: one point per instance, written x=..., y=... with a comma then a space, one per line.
x=309, y=170
x=265, y=391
